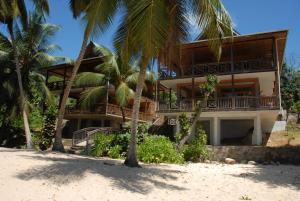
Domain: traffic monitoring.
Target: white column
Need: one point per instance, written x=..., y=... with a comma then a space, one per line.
x=257, y=134
x=216, y=131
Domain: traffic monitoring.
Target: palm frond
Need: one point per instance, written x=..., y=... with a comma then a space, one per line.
x=212, y=17
x=91, y=96
x=90, y=79
x=123, y=94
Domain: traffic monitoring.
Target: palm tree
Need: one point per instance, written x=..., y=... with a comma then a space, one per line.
x=121, y=76
x=9, y=11
x=98, y=15
x=154, y=27
x=34, y=48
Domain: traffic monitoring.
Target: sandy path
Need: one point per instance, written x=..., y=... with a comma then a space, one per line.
x=28, y=176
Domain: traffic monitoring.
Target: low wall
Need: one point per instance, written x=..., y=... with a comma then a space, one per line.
x=286, y=155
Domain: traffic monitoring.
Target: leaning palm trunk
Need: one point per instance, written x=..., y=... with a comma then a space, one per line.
x=22, y=94
x=131, y=159
x=58, y=145
x=192, y=131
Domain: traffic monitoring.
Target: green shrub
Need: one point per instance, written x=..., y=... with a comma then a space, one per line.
x=114, y=152
x=102, y=143
x=158, y=149
x=184, y=124
x=196, y=150
x=48, y=130
x=122, y=139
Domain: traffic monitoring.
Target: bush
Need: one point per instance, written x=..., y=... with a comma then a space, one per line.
x=102, y=144
x=122, y=139
x=48, y=130
x=196, y=150
x=114, y=152
x=158, y=149
x=184, y=124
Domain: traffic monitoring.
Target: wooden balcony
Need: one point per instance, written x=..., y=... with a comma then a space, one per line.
x=59, y=85
x=238, y=103
x=107, y=109
x=221, y=68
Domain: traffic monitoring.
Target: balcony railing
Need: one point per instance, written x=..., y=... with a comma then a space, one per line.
x=59, y=85
x=220, y=68
x=108, y=109
x=223, y=104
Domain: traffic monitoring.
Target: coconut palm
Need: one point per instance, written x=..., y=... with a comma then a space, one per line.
x=97, y=15
x=10, y=10
x=120, y=76
x=34, y=49
x=154, y=27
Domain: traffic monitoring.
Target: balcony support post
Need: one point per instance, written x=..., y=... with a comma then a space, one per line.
x=157, y=85
x=216, y=131
x=232, y=69
x=277, y=73
x=257, y=133
x=193, y=81
x=65, y=74
x=170, y=98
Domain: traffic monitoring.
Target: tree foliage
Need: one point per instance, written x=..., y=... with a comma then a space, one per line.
x=290, y=86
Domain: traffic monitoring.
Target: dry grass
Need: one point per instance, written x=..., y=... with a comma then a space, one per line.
x=290, y=137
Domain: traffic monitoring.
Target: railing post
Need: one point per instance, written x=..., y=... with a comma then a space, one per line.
x=233, y=102
x=87, y=148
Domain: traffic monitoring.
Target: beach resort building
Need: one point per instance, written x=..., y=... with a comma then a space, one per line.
x=242, y=111
x=106, y=113
x=247, y=100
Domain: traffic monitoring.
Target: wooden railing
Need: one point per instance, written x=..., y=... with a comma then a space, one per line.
x=220, y=68
x=88, y=134
x=110, y=109
x=224, y=103
x=115, y=110
x=59, y=85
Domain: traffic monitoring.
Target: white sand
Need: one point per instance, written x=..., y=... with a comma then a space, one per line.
x=26, y=175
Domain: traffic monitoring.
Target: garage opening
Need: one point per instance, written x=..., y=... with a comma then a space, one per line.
x=237, y=132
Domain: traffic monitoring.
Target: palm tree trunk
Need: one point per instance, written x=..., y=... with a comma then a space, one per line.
x=192, y=130
x=123, y=116
x=58, y=145
x=21, y=89
x=131, y=159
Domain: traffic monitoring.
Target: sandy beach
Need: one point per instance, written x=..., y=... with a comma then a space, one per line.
x=29, y=175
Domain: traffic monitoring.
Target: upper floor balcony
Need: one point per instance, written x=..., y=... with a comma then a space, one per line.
x=233, y=103
x=108, y=109
x=221, y=68
x=60, y=85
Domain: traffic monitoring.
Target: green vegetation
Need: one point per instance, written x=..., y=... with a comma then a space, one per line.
x=158, y=149
x=148, y=29
x=290, y=87
x=151, y=148
x=296, y=109
x=112, y=73
x=184, y=126
x=196, y=149
x=102, y=144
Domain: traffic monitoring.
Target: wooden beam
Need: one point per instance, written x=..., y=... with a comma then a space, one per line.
x=277, y=73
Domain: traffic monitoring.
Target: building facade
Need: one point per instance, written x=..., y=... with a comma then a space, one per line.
x=106, y=113
x=247, y=100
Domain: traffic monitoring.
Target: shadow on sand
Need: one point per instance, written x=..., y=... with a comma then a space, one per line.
x=273, y=175
x=65, y=170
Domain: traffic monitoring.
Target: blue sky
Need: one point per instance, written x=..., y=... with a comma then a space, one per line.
x=249, y=16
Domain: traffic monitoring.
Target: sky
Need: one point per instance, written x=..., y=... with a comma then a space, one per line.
x=249, y=16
